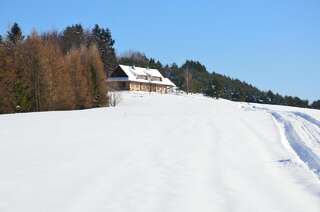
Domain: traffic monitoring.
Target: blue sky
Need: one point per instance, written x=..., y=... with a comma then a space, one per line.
x=272, y=44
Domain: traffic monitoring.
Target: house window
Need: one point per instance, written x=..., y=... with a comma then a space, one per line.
x=156, y=78
x=142, y=77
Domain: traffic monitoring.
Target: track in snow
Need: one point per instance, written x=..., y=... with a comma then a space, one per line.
x=308, y=118
x=302, y=132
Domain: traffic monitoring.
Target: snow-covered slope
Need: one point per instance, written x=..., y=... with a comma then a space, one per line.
x=162, y=153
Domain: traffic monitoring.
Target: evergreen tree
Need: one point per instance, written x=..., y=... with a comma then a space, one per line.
x=98, y=79
x=174, y=73
x=134, y=58
x=270, y=97
x=103, y=39
x=72, y=37
x=15, y=34
x=316, y=104
x=196, y=76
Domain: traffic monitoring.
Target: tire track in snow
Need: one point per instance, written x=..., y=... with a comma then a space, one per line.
x=311, y=124
x=302, y=134
x=294, y=138
x=308, y=118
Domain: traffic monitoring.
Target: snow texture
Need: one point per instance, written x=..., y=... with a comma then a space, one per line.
x=173, y=153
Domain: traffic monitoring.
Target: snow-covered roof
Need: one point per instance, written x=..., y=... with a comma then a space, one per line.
x=168, y=82
x=141, y=71
x=133, y=70
x=136, y=74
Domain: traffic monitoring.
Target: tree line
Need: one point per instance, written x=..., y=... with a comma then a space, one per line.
x=55, y=70
x=192, y=76
x=65, y=70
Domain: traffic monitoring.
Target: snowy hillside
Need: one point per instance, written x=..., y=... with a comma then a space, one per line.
x=162, y=153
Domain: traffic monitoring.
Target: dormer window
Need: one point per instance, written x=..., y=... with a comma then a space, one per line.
x=156, y=78
x=142, y=77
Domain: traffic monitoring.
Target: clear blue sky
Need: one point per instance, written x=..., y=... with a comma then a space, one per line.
x=273, y=44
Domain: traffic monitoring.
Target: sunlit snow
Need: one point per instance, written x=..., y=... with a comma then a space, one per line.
x=161, y=153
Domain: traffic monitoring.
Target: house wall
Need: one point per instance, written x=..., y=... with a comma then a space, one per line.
x=161, y=89
x=136, y=86
x=118, y=85
x=144, y=87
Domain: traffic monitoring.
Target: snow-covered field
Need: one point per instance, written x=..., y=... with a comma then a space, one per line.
x=162, y=153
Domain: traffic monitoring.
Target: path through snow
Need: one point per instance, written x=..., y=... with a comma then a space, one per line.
x=302, y=132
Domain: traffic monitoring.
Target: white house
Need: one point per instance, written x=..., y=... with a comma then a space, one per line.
x=139, y=79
